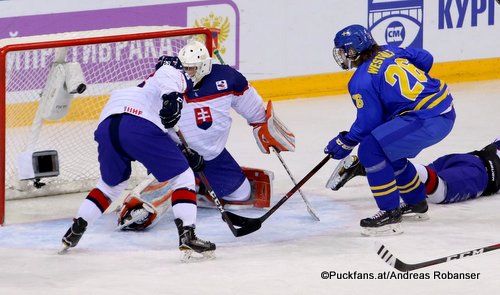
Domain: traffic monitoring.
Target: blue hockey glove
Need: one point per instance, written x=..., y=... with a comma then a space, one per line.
x=170, y=113
x=340, y=146
x=195, y=160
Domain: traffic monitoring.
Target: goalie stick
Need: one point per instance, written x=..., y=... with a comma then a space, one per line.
x=294, y=189
x=393, y=261
x=255, y=223
x=306, y=201
x=308, y=205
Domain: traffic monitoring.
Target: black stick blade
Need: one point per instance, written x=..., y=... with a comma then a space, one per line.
x=242, y=225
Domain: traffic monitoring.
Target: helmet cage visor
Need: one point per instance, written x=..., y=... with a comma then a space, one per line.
x=343, y=59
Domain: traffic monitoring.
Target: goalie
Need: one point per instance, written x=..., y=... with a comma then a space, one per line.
x=205, y=123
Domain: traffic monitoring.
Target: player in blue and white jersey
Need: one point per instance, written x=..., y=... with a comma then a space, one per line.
x=132, y=127
x=206, y=120
x=205, y=124
x=401, y=110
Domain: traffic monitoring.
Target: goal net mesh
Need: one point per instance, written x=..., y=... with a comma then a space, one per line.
x=105, y=66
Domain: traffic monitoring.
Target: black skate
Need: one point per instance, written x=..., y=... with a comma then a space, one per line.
x=74, y=234
x=348, y=168
x=415, y=212
x=382, y=224
x=492, y=163
x=189, y=243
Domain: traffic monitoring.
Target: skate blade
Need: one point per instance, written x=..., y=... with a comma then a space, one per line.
x=416, y=217
x=63, y=250
x=386, y=230
x=338, y=175
x=190, y=256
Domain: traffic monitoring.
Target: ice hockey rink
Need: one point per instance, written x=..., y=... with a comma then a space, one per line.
x=291, y=251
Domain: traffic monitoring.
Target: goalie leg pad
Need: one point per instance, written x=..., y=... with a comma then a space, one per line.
x=262, y=186
x=273, y=133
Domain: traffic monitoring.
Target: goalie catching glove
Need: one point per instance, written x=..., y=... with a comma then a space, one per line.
x=273, y=133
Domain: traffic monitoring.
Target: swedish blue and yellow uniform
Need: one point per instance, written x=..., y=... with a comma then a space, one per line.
x=400, y=111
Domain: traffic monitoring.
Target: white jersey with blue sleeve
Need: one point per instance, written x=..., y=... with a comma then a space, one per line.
x=206, y=115
x=145, y=100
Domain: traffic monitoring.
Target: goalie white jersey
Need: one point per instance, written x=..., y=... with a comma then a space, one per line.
x=206, y=121
x=145, y=100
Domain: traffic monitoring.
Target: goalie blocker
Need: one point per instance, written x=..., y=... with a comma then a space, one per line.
x=145, y=209
x=273, y=133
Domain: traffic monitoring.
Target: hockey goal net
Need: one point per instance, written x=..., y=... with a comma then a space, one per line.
x=54, y=89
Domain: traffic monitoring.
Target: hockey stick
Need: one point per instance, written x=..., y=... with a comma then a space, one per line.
x=246, y=225
x=249, y=225
x=308, y=205
x=390, y=259
x=294, y=189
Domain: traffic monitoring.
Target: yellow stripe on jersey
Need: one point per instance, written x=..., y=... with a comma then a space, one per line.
x=429, y=97
x=439, y=99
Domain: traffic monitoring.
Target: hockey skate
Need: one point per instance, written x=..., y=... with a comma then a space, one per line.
x=348, y=168
x=415, y=212
x=490, y=155
x=74, y=234
x=384, y=223
x=189, y=244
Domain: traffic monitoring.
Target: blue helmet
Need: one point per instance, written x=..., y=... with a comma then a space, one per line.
x=351, y=42
x=355, y=36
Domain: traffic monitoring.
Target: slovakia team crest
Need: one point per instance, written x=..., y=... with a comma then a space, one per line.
x=203, y=117
x=221, y=85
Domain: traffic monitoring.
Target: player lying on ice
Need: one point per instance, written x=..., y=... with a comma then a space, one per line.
x=401, y=110
x=449, y=179
x=205, y=124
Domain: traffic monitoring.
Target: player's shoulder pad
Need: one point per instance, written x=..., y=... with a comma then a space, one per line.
x=233, y=77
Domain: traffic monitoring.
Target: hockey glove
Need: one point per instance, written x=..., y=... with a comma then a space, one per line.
x=195, y=160
x=136, y=214
x=273, y=133
x=170, y=113
x=340, y=146
x=173, y=61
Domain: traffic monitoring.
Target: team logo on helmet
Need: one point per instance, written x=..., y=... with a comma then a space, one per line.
x=203, y=117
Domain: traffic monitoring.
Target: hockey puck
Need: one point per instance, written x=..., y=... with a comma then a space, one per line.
x=82, y=87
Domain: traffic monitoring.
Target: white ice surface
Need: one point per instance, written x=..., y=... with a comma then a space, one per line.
x=289, y=253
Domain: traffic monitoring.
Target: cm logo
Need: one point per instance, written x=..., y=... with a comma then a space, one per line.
x=395, y=33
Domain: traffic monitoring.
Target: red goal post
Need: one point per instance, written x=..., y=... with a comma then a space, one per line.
x=36, y=129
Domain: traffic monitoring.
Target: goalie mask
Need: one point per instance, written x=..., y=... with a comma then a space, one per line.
x=350, y=42
x=196, y=60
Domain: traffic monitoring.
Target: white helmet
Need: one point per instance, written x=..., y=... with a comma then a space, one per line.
x=195, y=54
